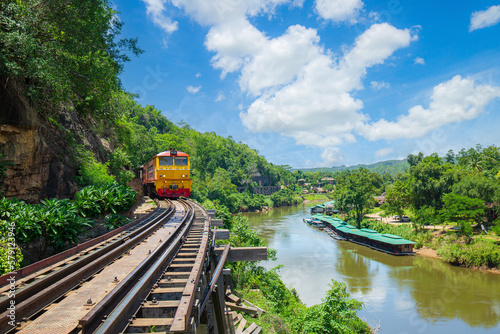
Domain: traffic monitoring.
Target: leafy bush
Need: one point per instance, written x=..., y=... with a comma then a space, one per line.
x=59, y=222
x=10, y=254
x=478, y=254
x=95, y=200
x=93, y=173
x=336, y=314
x=284, y=197
x=55, y=223
x=114, y=220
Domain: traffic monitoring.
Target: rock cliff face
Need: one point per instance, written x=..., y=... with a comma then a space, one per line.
x=39, y=158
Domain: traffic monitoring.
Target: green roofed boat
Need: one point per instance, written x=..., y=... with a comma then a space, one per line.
x=388, y=243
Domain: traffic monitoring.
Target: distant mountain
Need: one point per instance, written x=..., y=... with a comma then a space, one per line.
x=390, y=166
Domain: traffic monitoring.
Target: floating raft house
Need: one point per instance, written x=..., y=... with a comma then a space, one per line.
x=389, y=243
x=327, y=207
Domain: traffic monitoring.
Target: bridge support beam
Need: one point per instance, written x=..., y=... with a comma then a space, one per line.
x=244, y=253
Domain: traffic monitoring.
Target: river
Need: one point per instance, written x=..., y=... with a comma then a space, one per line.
x=409, y=294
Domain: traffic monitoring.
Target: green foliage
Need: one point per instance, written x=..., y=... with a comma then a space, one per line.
x=114, y=220
x=10, y=253
x=426, y=215
x=462, y=208
x=477, y=185
x=284, y=197
x=119, y=163
x=389, y=167
x=429, y=181
x=354, y=192
x=405, y=230
x=478, y=254
x=397, y=198
x=91, y=172
x=336, y=314
x=95, y=200
x=60, y=223
x=64, y=50
x=56, y=223
x=496, y=227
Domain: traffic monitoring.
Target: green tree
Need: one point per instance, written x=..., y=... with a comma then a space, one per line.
x=336, y=314
x=397, y=198
x=477, y=185
x=450, y=157
x=354, y=192
x=429, y=181
x=64, y=50
x=464, y=210
x=414, y=160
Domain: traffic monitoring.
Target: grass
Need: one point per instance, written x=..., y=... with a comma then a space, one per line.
x=375, y=210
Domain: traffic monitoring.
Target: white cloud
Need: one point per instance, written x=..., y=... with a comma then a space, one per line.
x=300, y=89
x=453, y=101
x=383, y=152
x=220, y=97
x=419, y=60
x=198, y=75
x=331, y=156
x=316, y=107
x=485, y=18
x=193, y=90
x=378, y=85
x=339, y=10
x=155, y=9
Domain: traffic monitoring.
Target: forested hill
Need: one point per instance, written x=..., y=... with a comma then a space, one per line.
x=64, y=107
x=392, y=167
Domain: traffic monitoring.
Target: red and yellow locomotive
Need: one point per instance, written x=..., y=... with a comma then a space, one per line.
x=167, y=174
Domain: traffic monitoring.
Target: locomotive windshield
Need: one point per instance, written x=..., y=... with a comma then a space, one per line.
x=181, y=161
x=165, y=161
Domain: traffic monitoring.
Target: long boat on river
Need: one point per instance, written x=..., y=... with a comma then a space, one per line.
x=388, y=243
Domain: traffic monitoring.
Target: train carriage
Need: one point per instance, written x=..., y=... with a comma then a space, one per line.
x=167, y=174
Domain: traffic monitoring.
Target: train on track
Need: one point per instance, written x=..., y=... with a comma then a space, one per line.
x=167, y=174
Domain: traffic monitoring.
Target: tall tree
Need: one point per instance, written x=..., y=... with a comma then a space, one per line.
x=64, y=50
x=397, y=198
x=429, y=181
x=354, y=192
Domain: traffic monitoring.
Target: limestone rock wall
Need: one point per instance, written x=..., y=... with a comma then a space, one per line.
x=39, y=158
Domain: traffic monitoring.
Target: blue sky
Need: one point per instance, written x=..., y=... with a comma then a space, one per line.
x=324, y=82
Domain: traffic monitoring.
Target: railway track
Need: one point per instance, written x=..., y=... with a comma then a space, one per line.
x=38, y=293
x=166, y=298
x=160, y=276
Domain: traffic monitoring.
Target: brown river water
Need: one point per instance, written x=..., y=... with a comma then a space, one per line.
x=409, y=294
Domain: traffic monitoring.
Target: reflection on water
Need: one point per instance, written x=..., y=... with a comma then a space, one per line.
x=408, y=294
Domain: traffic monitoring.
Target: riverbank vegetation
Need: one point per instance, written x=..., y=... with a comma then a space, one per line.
x=458, y=192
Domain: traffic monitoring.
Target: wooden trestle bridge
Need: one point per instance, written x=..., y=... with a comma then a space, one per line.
x=162, y=273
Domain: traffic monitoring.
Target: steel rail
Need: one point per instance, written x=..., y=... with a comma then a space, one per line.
x=117, y=320
x=183, y=313
x=93, y=319
x=32, y=298
x=215, y=277
x=49, y=263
